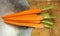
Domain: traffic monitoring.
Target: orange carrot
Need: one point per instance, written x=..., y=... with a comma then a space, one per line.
x=31, y=15
x=31, y=11
x=41, y=25
x=26, y=18
x=26, y=21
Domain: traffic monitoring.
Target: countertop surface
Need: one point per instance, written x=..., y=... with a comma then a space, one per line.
x=55, y=11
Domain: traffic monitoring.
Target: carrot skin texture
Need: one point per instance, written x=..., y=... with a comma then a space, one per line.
x=26, y=21
x=41, y=25
x=31, y=11
x=26, y=18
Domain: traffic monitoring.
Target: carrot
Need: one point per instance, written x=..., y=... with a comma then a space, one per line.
x=31, y=11
x=31, y=15
x=41, y=25
x=26, y=18
x=26, y=21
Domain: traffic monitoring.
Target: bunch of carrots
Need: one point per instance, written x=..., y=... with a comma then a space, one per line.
x=30, y=18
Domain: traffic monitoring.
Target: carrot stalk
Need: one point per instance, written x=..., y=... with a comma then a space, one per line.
x=49, y=26
x=47, y=8
x=41, y=25
x=47, y=15
x=47, y=22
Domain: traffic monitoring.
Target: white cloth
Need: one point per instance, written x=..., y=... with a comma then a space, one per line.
x=10, y=30
x=6, y=29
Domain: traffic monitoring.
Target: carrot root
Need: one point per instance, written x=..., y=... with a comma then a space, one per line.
x=25, y=18
x=32, y=11
x=26, y=24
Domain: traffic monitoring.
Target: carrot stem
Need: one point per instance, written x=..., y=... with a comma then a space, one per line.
x=49, y=7
x=48, y=26
x=46, y=15
x=47, y=22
